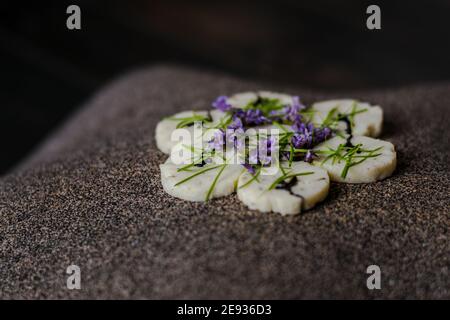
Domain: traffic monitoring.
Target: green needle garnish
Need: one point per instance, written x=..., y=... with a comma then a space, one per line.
x=187, y=121
x=213, y=185
x=333, y=117
x=266, y=105
x=255, y=177
x=351, y=155
x=288, y=176
x=197, y=174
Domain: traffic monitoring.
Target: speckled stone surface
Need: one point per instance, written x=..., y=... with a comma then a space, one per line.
x=91, y=196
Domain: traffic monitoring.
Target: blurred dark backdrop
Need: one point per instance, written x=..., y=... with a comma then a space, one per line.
x=47, y=70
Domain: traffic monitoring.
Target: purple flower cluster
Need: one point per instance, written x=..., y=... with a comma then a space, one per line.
x=251, y=117
x=234, y=137
x=263, y=154
x=249, y=168
x=217, y=142
x=235, y=133
x=309, y=156
x=236, y=124
x=222, y=104
x=292, y=112
x=305, y=136
x=322, y=134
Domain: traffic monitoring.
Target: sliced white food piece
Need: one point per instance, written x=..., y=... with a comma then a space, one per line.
x=240, y=100
x=285, y=99
x=199, y=183
x=364, y=160
x=166, y=127
x=367, y=120
x=304, y=186
x=217, y=115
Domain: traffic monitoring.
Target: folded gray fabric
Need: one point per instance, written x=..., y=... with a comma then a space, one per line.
x=91, y=196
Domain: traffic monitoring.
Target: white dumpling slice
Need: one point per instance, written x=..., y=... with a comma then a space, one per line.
x=240, y=100
x=300, y=194
x=285, y=99
x=217, y=115
x=371, y=169
x=366, y=123
x=166, y=127
x=196, y=189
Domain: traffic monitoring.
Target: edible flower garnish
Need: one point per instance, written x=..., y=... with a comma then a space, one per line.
x=296, y=139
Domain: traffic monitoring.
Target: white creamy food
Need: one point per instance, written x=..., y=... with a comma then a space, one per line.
x=366, y=120
x=304, y=186
x=380, y=159
x=197, y=187
x=166, y=127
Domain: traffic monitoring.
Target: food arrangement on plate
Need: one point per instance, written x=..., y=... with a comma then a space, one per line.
x=274, y=152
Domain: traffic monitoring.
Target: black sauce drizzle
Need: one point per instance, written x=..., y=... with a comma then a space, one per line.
x=348, y=130
x=288, y=185
x=200, y=164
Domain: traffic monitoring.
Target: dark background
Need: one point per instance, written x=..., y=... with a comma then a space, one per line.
x=47, y=70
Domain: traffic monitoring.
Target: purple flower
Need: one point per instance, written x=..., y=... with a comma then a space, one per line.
x=238, y=114
x=216, y=143
x=297, y=104
x=250, y=117
x=292, y=112
x=236, y=137
x=297, y=123
x=265, y=151
x=303, y=138
x=277, y=115
x=299, y=127
x=298, y=140
x=222, y=104
x=309, y=157
x=249, y=168
x=272, y=144
x=321, y=134
x=254, y=117
x=236, y=124
x=253, y=156
x=235, y=132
